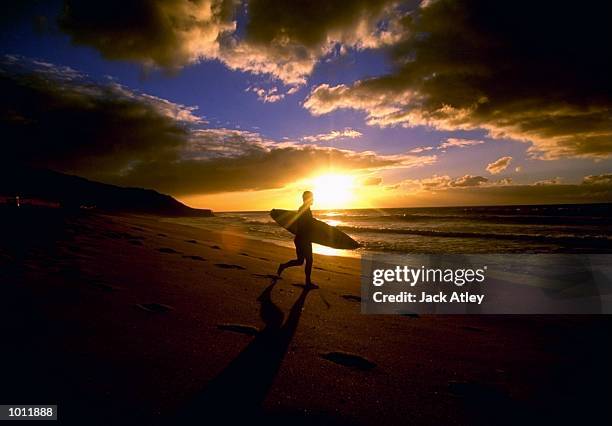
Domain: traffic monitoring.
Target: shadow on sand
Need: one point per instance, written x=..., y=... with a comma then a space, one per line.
x=238, y=392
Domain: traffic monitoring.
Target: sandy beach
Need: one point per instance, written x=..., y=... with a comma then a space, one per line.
x=130, y=319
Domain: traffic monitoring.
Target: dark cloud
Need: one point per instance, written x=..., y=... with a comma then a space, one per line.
x=16, y=12
x=309, y=23
x=527, y=194
x=535, y=72
x=598, y=179
x=442, y=182
x=477, y=190
x=166, y=33
x=54, y=117
x=282, y=38
x=547, y=182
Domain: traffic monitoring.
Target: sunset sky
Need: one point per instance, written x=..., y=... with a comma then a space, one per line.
x=237, y=105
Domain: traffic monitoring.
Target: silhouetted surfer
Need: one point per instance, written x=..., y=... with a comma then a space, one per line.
x=302, y=240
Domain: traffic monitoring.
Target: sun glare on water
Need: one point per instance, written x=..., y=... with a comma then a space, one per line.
x=333, y=191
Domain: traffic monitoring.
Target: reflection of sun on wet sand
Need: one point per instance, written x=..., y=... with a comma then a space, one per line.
x=141, y=333
x=329, y=251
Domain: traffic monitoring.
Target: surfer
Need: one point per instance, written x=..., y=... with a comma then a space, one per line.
x=302, y=240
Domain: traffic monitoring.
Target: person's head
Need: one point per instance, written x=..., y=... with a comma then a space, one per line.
x=308, y=197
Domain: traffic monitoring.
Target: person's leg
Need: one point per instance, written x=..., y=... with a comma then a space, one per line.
x=308, y=267
x=295, y=262
x=308, y=270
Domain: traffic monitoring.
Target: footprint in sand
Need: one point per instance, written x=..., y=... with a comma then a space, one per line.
x=123, y=235
x=157, y=308
x=349, y=360
x=194, y=257
x=191, y=241
x=215, y=247
x=263, y=258
x=268, y=276
x=161, y=235
x=228, y=266
x=470, y=328
x=351, y=297
x=239, y=328
x=168, y=250
x=244, y=254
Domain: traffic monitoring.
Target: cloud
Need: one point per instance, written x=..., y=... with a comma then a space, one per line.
x=469, y=180
x=287, y=39
x=266, y=95
x=371, y=181
x=421, y=149
x=54, y=117
x=333, y=135
x=363, y=95
x=605, y=179
x=544, y=84
x=58, y=118
x=280, y=38
x=459, y=143
x=222, y=160
x=499, y=165
x=441, y=182
x=164, y=33
x=551, y=181
x=438, y=190
x=432, y=182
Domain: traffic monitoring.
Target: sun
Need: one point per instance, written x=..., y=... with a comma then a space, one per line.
x=333, y=191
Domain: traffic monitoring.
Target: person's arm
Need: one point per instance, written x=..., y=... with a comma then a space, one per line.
x=306, y=223
x=303, y=221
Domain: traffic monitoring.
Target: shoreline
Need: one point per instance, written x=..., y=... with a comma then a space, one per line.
x=288, y=243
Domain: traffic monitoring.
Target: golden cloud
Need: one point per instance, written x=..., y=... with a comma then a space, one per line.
x=499, y=165
x=333, y=135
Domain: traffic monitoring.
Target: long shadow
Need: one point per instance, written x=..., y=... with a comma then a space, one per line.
x=238, y=392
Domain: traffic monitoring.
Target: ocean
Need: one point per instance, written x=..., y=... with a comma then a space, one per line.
x=574, y=228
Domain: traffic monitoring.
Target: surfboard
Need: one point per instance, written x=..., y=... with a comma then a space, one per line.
x=322, y=233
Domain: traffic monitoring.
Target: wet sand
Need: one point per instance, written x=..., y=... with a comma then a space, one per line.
x=132, y=320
